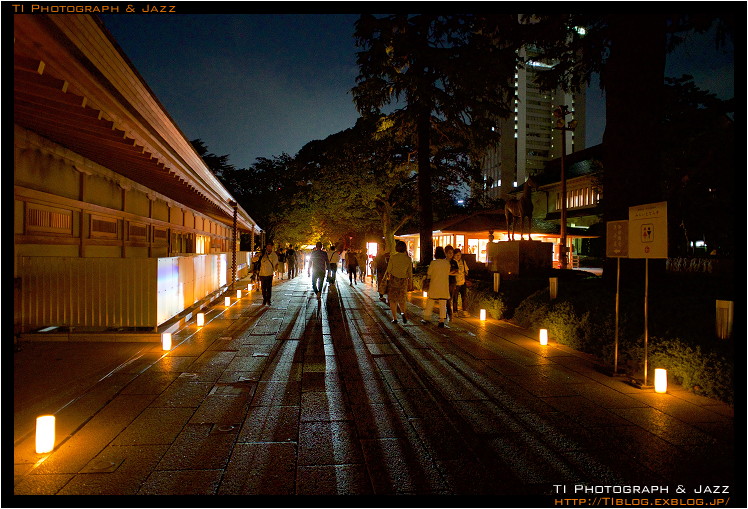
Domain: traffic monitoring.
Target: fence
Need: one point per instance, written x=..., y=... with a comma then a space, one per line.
x=117, y=292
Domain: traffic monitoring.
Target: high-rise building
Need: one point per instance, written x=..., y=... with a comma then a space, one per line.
x=528, y=138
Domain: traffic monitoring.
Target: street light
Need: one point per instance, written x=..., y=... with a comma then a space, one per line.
x=560, y=114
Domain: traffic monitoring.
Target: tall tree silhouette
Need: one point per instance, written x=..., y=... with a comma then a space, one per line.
x=450, y=69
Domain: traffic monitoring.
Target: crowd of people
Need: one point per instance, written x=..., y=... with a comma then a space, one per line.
x=392, y=273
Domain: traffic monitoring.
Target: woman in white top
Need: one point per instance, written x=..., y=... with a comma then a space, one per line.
x=438, y=291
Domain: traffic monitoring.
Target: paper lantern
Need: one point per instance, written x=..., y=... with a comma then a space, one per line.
x=425, y=295
x=482, y=314
x=45, y=433
x=200, y=319
x=238, y=294
x=166, y=341
x=661, y=380
x=543, y=337
x=227, y=301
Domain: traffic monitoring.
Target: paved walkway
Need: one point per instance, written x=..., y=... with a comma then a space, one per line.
x=328, y=397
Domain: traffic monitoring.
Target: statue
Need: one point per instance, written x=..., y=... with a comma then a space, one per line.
x=520, y=208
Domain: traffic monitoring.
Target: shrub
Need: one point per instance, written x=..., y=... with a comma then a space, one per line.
x=707, y=373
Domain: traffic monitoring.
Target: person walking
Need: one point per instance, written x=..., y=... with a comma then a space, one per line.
x=399, y=271
x=332, y=269
x=460, y=279
x=268, y=262
x=280, y=267
x=449, y=251
x=319, y=264
x=380, y=269
x=291, y=261
x=352, y=267
x=438, y=292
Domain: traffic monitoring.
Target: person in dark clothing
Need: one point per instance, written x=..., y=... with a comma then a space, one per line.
x=352, y=263
x=449, y=251
x=380, y=264
x=319, y=265
x=291, y=262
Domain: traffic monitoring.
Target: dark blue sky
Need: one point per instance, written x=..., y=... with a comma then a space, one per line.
x=258, y=85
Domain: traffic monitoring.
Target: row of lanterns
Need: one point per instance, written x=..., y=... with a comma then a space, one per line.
x=200, y=319
x=45, y=424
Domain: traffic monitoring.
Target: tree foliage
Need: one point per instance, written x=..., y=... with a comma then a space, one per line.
x=454, y=71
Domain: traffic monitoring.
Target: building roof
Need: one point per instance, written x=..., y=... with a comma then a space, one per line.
x=494, y=220
x=74, y=86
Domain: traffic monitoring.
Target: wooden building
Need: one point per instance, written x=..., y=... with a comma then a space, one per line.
x=118, y=221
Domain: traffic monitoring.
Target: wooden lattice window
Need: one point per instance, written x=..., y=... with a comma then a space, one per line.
x=138, y=231
x=160, y=235
x=103, y=227
x=48, y=220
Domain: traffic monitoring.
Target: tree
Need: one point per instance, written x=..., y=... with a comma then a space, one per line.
x=451, y=69
x=628, y=51
x=698, y=167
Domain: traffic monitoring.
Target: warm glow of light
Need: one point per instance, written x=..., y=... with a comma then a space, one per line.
x=661, y=380
x=200, y=319
x=482, y=314
x=425, y=295
x=249, y=287
x=227, y=301
x=543, y=337
x=166, y=341
x=45, y=433
x=238, y=294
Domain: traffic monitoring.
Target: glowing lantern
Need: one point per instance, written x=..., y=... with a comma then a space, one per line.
x=660, y=380
x=249, y=287
x=238, y=294
x=200, y=319
x=425, y=295
x=543, y=337
x=166, y=341
x=482, y=314
x=227, y=301
x=45, y=433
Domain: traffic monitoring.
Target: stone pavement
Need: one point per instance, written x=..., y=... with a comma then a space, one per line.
x=328, y=397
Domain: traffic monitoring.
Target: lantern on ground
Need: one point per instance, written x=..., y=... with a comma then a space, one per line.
x=227, y=301
x=425, y=295
x=238, y=294
x=166, y=341
x=482, y=315
x=544, y=337
x=200, y=319
x=45, y=433
x=660, y=380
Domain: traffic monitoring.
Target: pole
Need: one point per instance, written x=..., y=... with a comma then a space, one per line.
x=646, y=321
x=618, y=286
x=563, y=262
x=233, y=243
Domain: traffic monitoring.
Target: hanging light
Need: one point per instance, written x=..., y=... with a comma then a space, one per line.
x=660, y=380
x=482, y=315
x=45, y=433
x=200, y=319
x=544, y=337
x=227, y=301
x=166, y=341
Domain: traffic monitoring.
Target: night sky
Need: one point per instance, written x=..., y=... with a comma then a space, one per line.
x=259, y=85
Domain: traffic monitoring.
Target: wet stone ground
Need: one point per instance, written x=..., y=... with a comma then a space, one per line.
x=328, y=397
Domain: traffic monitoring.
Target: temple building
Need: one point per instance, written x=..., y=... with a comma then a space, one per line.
x=119, y=224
